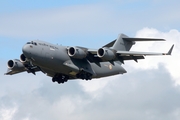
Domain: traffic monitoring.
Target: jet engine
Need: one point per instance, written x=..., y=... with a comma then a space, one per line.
x=76, y=52
x=15, y=65
x=23, y=58
x=106, y=54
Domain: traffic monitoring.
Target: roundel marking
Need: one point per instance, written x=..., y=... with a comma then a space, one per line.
x=110, y=67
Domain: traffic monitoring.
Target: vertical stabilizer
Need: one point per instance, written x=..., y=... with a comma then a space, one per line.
x=122, y=44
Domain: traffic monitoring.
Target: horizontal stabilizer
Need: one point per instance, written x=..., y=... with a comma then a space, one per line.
x=142, y=39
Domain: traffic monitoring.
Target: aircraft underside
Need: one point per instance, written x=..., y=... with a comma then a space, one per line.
x=61, y=78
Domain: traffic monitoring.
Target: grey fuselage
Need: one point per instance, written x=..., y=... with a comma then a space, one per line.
x=54, y=59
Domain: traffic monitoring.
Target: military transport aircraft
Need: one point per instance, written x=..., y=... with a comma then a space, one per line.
x=64, y=63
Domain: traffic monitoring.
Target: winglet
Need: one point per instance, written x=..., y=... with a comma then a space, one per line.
x=170, y=50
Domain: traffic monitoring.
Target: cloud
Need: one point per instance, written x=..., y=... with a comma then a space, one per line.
x=141, y=94
x=136, y=96
x=171, y=37
x=7, y=113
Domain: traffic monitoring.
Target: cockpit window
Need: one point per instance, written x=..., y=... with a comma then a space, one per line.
x=33, y=43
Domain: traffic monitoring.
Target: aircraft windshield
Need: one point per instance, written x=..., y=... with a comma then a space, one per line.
x=33, y=43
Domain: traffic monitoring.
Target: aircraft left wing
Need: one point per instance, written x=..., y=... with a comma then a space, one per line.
x=123, y=55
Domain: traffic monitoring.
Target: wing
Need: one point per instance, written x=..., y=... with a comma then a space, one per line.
x=33, y=70
x=16, y=66
x=124, y=55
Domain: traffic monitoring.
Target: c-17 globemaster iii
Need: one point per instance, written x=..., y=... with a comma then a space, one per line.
x=64, y=63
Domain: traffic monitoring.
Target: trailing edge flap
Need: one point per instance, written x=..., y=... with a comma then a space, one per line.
x=142, y=39
x=130, y=57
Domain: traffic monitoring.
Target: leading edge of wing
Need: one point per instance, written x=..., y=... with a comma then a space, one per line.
x=93, y=51
x=135, y=53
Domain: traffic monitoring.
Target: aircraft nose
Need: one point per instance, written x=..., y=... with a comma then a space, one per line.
x=25, y=49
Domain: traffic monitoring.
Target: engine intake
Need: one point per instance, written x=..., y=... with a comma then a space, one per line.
x=23, y=58
x=75, y=52
x=15, y=65
x=10, y=63
x=106, y=54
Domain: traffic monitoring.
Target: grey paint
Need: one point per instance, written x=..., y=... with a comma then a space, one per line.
x=64, y=63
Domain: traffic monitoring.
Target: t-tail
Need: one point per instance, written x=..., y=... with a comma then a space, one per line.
x=124, y=43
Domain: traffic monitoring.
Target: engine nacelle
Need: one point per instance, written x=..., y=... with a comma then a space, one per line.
x=77, y=53
x=106, y=54
x=23, y=58
x=15, y=65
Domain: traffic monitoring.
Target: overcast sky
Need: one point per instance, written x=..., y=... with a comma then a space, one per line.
x=149, y=90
